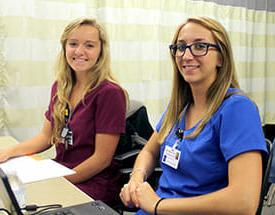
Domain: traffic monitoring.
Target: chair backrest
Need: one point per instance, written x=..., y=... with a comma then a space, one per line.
x=266, y=166
x=138, y=129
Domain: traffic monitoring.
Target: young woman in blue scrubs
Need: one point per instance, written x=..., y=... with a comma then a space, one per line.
x=209, y=139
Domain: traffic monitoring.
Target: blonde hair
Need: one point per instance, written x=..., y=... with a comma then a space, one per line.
x=66, y=79
x=181, y=91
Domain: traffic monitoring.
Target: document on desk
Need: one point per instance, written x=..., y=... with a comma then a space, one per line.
x=29, y=169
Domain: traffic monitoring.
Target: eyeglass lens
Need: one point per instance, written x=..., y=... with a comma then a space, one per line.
x=196, y=49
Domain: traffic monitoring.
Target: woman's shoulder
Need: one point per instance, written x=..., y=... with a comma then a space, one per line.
x=237, y=109
x=239, y=98
x=108, y=86
x=106, y=89
x=236, y=101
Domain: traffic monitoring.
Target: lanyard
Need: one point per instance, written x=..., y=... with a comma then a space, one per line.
x=66, y=133
x=67, y=115
x=179, y=133
x=180, y=130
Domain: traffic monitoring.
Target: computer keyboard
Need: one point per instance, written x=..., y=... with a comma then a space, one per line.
x=62, y=211
x=90, y=208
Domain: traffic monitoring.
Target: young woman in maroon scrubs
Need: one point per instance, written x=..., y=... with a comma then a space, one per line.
x=86, y=114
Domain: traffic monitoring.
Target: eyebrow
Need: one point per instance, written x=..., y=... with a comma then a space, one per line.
x=88, y=41
x=196, y=40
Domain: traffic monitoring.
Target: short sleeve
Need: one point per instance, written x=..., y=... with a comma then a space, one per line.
x=110, y=116
x=240, y=127
x=48, y=113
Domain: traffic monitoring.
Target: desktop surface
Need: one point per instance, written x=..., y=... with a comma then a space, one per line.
x=50, y=191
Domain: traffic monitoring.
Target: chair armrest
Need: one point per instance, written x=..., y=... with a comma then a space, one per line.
x=158, y=170
x=126, y=171
x=138, y=139
x=127, y=155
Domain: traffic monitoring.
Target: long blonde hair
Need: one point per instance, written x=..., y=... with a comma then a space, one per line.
x=181, y=91
x=65, y=76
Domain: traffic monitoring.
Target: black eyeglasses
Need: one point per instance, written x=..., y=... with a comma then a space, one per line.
x=196, y=49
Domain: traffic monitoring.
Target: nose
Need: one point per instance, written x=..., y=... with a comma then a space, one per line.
x=188, y=54
x=79, y=49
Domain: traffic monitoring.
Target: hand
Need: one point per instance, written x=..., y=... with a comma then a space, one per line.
x=4, y=155
x=128, y=193
x=146, y=197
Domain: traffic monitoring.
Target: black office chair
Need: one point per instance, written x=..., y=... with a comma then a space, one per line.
x=266, y=165
x=138, y=131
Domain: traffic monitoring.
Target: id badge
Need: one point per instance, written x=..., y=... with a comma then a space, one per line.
x=69, y=138
x=171, y=157
x=64, y=132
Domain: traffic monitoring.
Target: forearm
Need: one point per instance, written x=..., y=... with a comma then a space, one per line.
x=144, y=165
x=37, y=144
x=87, y=169
x=102, y=157
x=146, y=160
x=225, y=201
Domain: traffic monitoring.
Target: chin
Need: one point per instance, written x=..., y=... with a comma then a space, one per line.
x=189, y=79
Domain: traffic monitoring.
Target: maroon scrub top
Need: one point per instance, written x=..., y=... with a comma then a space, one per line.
x=103, y=111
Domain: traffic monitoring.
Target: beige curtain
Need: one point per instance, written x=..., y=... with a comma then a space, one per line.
x=140, y=32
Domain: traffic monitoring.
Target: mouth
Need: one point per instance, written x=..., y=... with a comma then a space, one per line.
x=79, y=59
x=191, y=66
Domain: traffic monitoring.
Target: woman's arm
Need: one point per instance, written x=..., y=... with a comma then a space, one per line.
x=105, y=147
x=146, y=160
x=38, y=143
x=143, y=167
x=241, y=196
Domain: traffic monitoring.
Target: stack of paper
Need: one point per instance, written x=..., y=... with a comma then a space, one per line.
x=30, y=170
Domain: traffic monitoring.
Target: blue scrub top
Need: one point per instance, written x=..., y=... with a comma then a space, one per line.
x=203, y=167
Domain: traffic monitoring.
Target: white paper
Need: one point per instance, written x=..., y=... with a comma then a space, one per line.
x=30, y=170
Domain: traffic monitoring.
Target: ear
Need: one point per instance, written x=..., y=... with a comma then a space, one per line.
x=219, y=61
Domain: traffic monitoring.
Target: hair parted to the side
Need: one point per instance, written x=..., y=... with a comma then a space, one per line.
x=65, y=76
x=181, y=91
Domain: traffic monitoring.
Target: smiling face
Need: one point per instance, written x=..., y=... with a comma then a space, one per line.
x=197, y=70
x=83, y=48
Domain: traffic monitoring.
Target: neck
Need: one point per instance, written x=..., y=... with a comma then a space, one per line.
x=199, y=97
x=81, y=78
x=80, y=82
x=197, y=110
x=76, y=94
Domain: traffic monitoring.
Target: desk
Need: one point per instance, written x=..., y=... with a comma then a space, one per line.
x=50, y=191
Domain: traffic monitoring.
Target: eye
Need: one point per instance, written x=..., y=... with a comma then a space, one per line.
x=199, y=46
x=72, y=44
x=89, y=46
x=181, y=47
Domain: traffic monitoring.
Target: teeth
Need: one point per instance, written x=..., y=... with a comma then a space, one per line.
x=77, y=59
x=195, y=66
